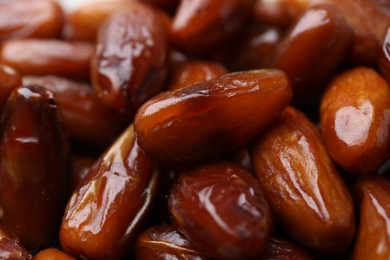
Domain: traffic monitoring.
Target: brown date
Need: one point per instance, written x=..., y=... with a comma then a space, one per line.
x=355, y=120
x=81, y=165
x=47, y=56
x=168, y=5
x=283, y=249
x=308, y=196
x=9, y=80
x=372, y=193
x=130, y=62
x=10, y=247
x=211, y=117
x=104, y=213
x=52, y=254
x=33, y=172
x=222, y=210
x=384, y=56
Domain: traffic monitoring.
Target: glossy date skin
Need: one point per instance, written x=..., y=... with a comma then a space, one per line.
x=9, y=80
x=105, y=211
x=211, y=118
x=222, y=210
x=34, y=166
x=372, y=194
x=48, y=56
x=308, y=196
x=355, y=120
x=52, y=254
x=283, y=249
x=10, y=247
x=129, y=65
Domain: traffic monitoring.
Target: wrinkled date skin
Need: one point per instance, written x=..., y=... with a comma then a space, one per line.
x=107, y=208
x=52, y=254
x=311, y=50
x=130, y=62
x=34, y=19
x=283, y=249
x=166, y=242
x=48, y=56
x=221, y=209
x=212, y=117
x=200, y=25
x=355, y=120
x=372, y=193
x=33, y=172
x=85, y=118
x=9, y=80
x=307, y=194
x=10, y=247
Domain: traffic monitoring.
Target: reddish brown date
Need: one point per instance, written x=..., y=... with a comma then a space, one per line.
x=283, y=249
x=384, y=56
x=105, y=211
x=85, y=118
x=212, y=117
x=33, y=171
x=166, y=242
x=26, y=18
x=308, y=196
x=52, y=254
x=82, y=162
x=9, y=80
x=168, y=5
x=130, y=62
x=221, y=209
x=10, y=247
x=41, y=57
x=355, y=120
x=372, y=193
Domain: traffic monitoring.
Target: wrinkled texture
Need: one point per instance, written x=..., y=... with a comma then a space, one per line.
x=308, y=196
x=211, y=118
x=10, y=247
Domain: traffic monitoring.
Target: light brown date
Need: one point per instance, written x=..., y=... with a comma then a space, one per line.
x=52, y=254
x=308, y=196
x=211, y=118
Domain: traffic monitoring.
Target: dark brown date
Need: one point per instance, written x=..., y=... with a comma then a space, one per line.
x=211, y=118
x=221, y=209
x=10, y=247
x=9, y=80
x=283, y=249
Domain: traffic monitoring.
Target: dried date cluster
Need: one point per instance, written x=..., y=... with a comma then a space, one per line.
x=195, y=129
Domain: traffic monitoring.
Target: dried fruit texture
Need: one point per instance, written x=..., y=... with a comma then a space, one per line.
x=105, y=211
x=42, y=57
x=384, y=57
x=192, y=72
x=355, y=120
x=221, y=209
x=166, y=242
x=283, y=249
x=52, y=254
x=212, y=117
x=9, y=80
x=311, y=50
x=130, y=62
x=33, y=19
x=85, y=118
x=200, y=25
x=33, y=172
x=10, y=247
x=372, y=193
x=309, y=198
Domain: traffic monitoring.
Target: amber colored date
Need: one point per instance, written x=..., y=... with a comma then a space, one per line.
x=283, y=249
x=85, y=118
x=308, y=196
x=48, y=56
x=34, y=166
x=166, y=242
x=311, y=50
x=26, y=18
x=372, y=193
x=130, y=62
x=211, y=118
x=9, y=80
x=52, y=254
x=355, y=120
x=105, y=211
x=10, y=247
x=221, y=209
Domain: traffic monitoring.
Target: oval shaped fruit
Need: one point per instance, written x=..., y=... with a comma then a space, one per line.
x=53, y=254
x=221, y=209
x=355, y=120
x=218, y=115
x=308, y=196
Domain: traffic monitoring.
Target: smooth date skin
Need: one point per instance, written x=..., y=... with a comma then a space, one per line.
x=355, y=120
x=104, y=213
x=212, y=117
x=34, y=159
x=9, y=80
x=52, y=254
x=306, y=193
x=222, y=210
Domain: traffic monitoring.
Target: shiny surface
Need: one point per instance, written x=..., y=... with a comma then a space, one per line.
x=10, y=247
x=34, y=166
x=372, y=194
x=9, y=80
x=106, y=210
x=355, y=120
x=212, y=117
x=283, y=249
x=130, y=62
x=220, y=207
x=41, y=57
x=308, y=196
x=384, y=56
x=52, y=254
